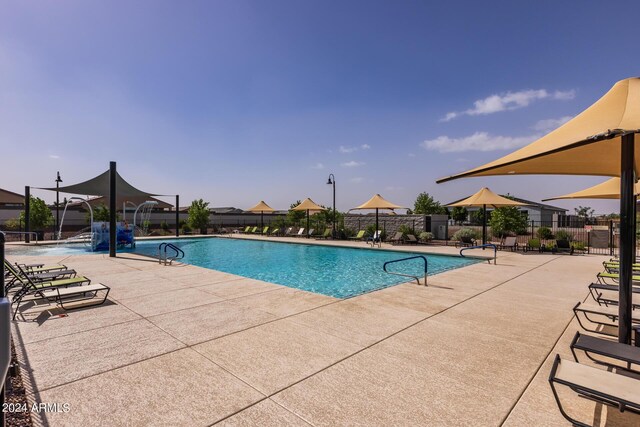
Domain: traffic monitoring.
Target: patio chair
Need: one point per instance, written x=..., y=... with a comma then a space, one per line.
x=397, y=238
x=375, y=239
x=596, y=288
x=300, y=233
x=592, y=346
x=564, y=246
x=14, y=275
x=358, y=236
x=247, y=229
x=510, y=242
x=36, y=289
x=275, y=232
x=254, y=230
x=601, y=317
x=40, y=268
x=311, y=232
x=608, y=297
x=288, y=231
x=325, y=235
x=615, y=277
x=265, y=230
x=595, y=384
x=411, y=239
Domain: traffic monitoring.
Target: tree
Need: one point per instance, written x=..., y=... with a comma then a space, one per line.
x=426, y=205
x=584, y=212
x=199, y=215
x=294, y=217
x=507, y=220
x=39, y=214
x=459, y=214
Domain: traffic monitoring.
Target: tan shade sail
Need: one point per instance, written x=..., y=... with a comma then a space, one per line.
x=588, y=144
x=261, y=207
x=378, y=202
x=308, y=205
x=610, y=189
x=486, y=197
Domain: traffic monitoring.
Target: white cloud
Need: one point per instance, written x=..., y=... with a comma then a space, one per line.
x=54, y=156
x=509, y=101
x=551, y=124
x=479, y=141
x=318, y=166
x=357, y=180
x=365, y=146
x=352, y=164
x=344, y=149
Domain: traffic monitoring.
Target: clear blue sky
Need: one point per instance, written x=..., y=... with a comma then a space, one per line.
x=237, y=101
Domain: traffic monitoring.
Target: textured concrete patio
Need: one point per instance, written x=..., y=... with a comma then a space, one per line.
x=183, y=345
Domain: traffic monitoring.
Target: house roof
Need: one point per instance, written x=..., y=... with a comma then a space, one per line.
x=11, y=198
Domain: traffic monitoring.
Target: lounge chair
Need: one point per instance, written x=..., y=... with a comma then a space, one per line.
x=615, y=277
x=465, y=241
x=564, y=246
x=358, y=236
x=510, y=242
x=36, y=289
x=41, y=268
x=375, y=239
x=601, y=317
x=288, y=231
x=608, y=297
x=300, y=233
x=275, y=232
x=325, y=235
x=311, y=232
x=14, y=275
x=265, y=230
x=411, y=239
x=595, y=384
x=254, y=230
x=397, y=238
x=597, y=292
x=614, y=267
x=247, y=229
x=628, y=354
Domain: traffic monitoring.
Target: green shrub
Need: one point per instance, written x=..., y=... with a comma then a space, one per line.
x=578, y=246
x=12, y=224
x=507, y=220
x=534, y=243
x=466, y=235
x=164, y=226
x=186, y=229
x=405, y=229
x=564, y=235
x=544, y=233
x=425, y=236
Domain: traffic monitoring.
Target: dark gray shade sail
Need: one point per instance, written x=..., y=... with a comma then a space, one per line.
x=99, y=186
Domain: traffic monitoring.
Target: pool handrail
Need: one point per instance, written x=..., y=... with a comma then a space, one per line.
x=417, y=279
x=486, y=245
x=162, y=256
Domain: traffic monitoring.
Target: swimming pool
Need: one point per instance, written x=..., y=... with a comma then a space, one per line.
x=328, y=270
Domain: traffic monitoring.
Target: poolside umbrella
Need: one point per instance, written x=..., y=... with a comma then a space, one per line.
x=308, y=205
x=378, y=202
x=483, y=198
x=599, y=141
x=610, y=189
x=261, y=207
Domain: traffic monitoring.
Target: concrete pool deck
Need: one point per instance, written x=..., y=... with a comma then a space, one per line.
x=184, y=345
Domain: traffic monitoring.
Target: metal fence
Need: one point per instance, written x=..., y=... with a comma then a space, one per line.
x=600, y=237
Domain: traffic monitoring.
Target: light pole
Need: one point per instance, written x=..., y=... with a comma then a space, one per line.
x=332, y=181
x=58, y=181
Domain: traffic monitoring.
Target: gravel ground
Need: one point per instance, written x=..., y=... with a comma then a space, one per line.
x=15, y=397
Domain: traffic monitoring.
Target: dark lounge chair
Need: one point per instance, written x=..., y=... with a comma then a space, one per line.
x=595, y=384
x=564, y=246
x=600, y=317
x=590, y=345
x=411, y=239
x=397, y=238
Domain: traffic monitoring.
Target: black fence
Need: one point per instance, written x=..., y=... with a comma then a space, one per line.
x=600, y=237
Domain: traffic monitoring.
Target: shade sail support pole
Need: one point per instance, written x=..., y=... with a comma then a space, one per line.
x=112, y=209
x=177, y=215
x=484, y=225
x=27, y=213
x=627, y=210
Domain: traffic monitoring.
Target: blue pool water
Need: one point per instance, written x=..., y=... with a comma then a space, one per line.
x=333, y=271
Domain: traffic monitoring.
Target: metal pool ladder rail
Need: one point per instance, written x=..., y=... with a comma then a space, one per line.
x=486, y=245
x=417, y=279
x=166, y=259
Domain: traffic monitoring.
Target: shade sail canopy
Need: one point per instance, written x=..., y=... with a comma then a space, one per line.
x=486, y=197
x=99, y=186
x=610, y=189
x=378, y=202
x=308, y=205
x=261, y=207
x=588, y=144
